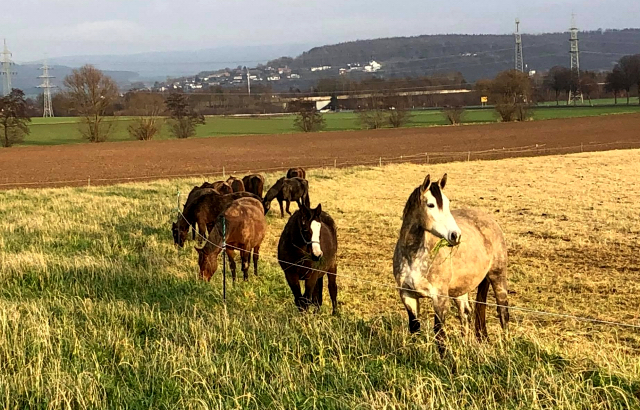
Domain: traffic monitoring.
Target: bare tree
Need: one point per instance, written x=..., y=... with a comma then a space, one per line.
x=615, y=83
x=630, y=66
x=148, y=108
x=184, y=119
x=309, y=120
x=588, y=84
x=372, y=116
x=14, y=117
x=453, y=114
x=92, y=93
x=511, y=93
x=558, y=80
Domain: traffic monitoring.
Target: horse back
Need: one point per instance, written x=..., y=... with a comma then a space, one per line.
x=245, y=222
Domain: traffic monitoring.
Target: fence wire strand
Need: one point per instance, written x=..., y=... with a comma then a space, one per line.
x=399, y=288
x=438, y=157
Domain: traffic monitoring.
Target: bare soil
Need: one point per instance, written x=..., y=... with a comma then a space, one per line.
x=108, y=163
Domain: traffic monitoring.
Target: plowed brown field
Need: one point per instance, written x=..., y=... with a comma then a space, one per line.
x=108, y=163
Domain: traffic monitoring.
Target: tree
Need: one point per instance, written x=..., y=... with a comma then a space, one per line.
x=148, y=107
x=92, y=93
x=14, y=117
x=399, y=117
x=309, y=120
x=453, y=114
x=372, y=116
x=558, y=80
x=184, y=119
x=511, y=93
x=615, y=82
x=630, y=66
x=588, y=84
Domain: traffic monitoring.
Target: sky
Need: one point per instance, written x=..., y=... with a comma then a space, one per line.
x=54, y=28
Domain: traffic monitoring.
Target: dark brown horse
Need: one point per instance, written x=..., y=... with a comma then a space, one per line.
x=236, y=184
x=254, y=183
x=245, y=227
x=203, y=213
x=287, y=190
x=297, y=173
x=476, y=257
x=307, y=249
x=221, y=186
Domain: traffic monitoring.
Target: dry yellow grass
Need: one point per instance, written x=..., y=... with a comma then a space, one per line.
x=97, y=308
x=572, y=224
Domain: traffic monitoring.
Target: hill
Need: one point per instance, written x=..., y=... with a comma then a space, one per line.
x=475, y=56
x=26, y=77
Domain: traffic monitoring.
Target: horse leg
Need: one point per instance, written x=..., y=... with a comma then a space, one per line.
x=316, y=299
x=499, y=285
x=440, y=306
x=293, y=280
x=465, y=314
x=256, y=255
x=245, y=257
x=232, y=263
x=412, y=304
x=480, y=310
x=288, y=204
x=281, y=208
x=309, y=287
x=333, y=289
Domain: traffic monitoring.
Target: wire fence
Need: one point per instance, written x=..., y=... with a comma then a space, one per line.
x=531, y=311
x=427, y=157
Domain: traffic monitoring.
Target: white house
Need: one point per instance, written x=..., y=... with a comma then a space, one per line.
x=273, y=78
x=372, y=67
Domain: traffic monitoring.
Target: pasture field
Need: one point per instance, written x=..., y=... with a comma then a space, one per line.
x=59, y=131
x=99, y=310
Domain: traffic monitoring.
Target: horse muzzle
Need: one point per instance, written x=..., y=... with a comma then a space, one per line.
x=454, y=238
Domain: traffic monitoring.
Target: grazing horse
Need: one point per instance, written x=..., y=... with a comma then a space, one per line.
x=297, y=173
x=203, y=213
x=306, y=250
x=236, y=184
x=424, y=267
x=287, y=190
x=221, y=186
x=254, y=183
x=245, y=227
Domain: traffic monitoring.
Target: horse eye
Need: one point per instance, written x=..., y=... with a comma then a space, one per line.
x=431, y=205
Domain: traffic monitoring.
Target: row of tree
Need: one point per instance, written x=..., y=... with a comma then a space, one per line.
x=91, y=95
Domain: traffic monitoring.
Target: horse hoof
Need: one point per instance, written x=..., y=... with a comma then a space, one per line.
x=414, y=327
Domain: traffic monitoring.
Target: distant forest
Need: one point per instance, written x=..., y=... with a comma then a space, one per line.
x=474, y=56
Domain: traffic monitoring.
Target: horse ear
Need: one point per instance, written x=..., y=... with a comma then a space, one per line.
x=318, y=211
x=426, y=184
x=443, y=181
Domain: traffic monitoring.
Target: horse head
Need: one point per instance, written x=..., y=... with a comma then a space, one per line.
x=179, y=235
x=436, y=215
x=310, y=226
x=207, y=261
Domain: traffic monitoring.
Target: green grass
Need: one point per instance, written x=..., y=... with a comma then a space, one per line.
x=56, y=131
x=99, y=310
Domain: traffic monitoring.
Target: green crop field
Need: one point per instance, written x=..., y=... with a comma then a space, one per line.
x=56, y=131
x=99, y=310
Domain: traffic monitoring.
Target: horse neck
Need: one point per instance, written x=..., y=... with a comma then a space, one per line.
x=273, y=191
x=413, y=230
x=215, y=240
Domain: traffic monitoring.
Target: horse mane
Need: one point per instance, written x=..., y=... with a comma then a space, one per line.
x=416, y=198
x=413, y=201
x=274, y=190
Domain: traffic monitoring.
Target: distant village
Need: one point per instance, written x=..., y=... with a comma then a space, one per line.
x=235, y=77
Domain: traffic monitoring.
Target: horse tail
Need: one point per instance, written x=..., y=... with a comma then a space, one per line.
x=481, y=309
